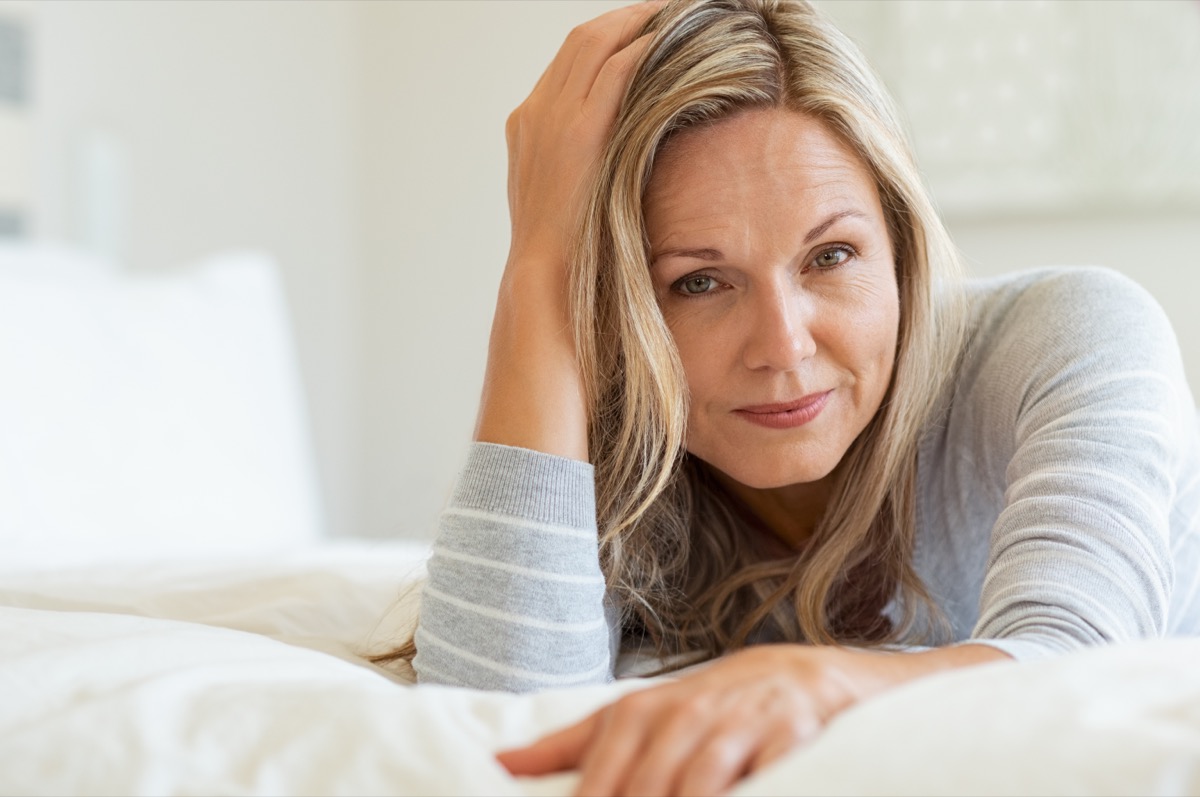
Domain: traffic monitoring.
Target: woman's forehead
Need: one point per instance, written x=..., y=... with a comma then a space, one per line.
x=777, y=128
x=755, y=163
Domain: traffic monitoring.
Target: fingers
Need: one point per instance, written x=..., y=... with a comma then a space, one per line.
x=743, y=743
x=594, y=43
x=788, y=735
x=669, y=750
x=681, y=743
x=721, y=758
x=616, y=746
x=657, y=745
x=775, y=749
x=588, y=45
x=557, y=752
x=604, y=99
x=698, y=735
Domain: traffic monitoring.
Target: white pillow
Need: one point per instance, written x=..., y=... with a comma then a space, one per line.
x=149, y=413
x=51, y=261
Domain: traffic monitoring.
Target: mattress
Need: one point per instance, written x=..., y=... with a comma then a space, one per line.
x=246, y=675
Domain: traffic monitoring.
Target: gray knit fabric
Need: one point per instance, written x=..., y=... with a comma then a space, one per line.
x=1058, y=503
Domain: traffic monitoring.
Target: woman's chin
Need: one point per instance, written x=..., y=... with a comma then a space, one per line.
x=769, y=473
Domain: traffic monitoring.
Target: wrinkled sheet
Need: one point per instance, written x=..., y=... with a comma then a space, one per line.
x=246, y=676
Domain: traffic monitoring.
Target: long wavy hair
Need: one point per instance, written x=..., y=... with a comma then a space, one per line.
x=678, y=551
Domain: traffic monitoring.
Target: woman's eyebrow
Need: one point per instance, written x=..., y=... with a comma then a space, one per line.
x=817, y=231
x=715, y=254
x=699, y=254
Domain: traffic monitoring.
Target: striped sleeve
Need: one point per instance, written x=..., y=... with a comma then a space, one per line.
x=1097, y=407
x=515, y=597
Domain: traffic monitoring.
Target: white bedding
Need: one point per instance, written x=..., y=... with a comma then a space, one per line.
x=242, y=676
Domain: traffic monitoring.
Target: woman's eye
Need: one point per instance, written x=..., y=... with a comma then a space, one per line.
x=831, y=258
x=696, y=285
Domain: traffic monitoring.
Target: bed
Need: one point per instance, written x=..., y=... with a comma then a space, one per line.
x=244, y=675
x=157, y=640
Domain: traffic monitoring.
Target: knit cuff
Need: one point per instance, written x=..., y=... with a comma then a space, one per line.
x=527, y=484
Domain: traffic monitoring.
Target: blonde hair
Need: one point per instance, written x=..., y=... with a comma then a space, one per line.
x=675, y=547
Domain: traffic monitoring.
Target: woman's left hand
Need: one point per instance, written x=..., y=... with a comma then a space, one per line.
x=707, y=730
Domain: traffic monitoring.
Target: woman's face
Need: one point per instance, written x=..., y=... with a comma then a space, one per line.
x=772, y=265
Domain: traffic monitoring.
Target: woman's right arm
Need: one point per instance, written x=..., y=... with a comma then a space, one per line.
x=515, y=596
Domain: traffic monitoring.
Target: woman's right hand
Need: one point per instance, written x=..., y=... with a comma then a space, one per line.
x=556, y=136
x=533, y=396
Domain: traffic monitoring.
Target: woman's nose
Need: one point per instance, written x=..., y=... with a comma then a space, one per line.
x=779, y=330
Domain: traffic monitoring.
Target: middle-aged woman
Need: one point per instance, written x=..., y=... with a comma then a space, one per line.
x=736, y=395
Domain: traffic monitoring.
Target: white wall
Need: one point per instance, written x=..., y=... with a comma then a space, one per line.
x=363, y=144
x=442, y=78
x=236, y=124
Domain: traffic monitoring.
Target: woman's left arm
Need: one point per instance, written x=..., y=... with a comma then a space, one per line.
x=703, y=732
x=1088, y=405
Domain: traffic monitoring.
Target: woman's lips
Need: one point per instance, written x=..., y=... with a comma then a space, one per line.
x=787, y=415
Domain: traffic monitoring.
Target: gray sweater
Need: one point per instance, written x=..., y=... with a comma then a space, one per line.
x=1058, y=503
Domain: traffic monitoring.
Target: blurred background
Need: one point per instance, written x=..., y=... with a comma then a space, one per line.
x=359, y=147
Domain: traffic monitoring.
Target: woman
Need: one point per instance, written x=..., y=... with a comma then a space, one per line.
x=736, y=394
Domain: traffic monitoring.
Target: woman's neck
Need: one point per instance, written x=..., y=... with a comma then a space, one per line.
x=792, y=513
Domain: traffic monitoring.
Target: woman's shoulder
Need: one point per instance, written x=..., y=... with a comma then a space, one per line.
x=1064, y=339
x=1044, y=320
x=1063, y=303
